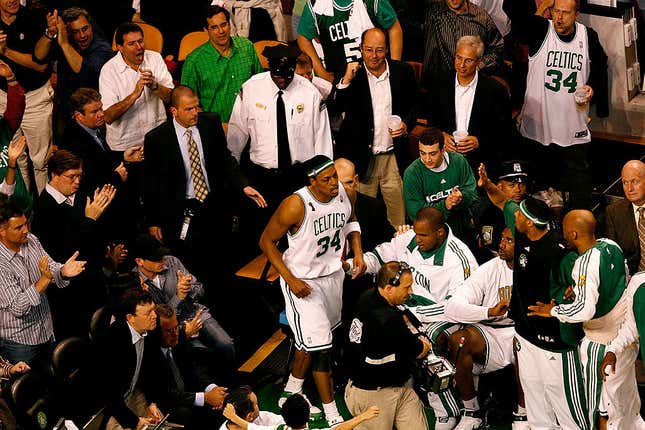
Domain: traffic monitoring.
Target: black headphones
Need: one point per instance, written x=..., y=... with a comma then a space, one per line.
x=396, y=280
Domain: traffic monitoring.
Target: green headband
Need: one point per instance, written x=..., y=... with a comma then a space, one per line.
x=529, y=215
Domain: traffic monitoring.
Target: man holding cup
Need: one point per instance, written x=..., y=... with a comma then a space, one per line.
x=474, y=114
x=378, y=101
x=567, y=67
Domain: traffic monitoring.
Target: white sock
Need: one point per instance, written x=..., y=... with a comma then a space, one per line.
x=472, y=404
x=521, y=410
x=330, y=409
x=294, y=385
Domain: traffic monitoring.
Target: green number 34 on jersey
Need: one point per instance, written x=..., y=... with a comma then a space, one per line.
x=325, y=242
x=570, y=82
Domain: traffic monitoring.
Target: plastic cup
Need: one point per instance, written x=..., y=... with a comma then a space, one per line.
x=580, y=96
x=459, y=135
x=393, y=122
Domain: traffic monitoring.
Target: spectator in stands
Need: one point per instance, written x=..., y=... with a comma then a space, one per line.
x=512, y=181
x=471, y=102
x=305, y=68
x=217, y=69
x=553, y=118
x=441, y=179
x=286, y=120
x=79, y=51
x=625, y=220
x=119, y=361
x=449, y=20
x=366, y=137
x=26, y=271
x=338, y=25
x=85, y=136
x=494, y=9
x=12, y=148
x=134, y=85
x=169, y=282
x=8, y=371
x=245, y=402
x=66, y=221
x=371, y=212
x=188, y=172
x=172, y=379
x=22, y=28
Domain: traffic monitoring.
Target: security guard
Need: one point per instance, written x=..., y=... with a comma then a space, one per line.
x=382, y=353
x=286, y=121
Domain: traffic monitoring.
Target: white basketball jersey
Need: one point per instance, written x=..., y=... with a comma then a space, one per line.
x=550, y=113
x=316, y=248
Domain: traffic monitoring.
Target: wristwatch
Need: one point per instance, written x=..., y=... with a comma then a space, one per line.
x=50, y=36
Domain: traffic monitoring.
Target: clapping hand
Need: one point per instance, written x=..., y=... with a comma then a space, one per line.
x=16, y=148
x=102, y=199
x=43, y=266
x=72, y=267
x=184, y=284
x=193, y=326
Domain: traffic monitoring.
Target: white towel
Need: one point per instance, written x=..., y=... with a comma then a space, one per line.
x=359, y=20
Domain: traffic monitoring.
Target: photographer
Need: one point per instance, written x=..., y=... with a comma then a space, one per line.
x=383, y=350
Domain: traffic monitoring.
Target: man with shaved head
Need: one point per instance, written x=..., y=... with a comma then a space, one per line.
x=599, y=283
x=625, y=220
x=371, y=212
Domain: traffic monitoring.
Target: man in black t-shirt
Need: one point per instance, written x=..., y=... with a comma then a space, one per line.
x=547, y=355
x=382, y=352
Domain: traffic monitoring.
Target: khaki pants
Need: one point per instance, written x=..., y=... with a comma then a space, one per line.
x=137, y=404
x=400, y=407
x=385, y=174
x=37, y=127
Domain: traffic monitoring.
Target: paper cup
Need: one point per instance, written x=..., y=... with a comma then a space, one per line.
x=459, y=135
x=393, y=122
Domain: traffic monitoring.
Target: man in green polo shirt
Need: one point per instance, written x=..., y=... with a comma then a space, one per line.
x=217, y=69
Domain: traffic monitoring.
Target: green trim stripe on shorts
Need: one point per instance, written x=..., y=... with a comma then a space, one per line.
x=449, y=402
x=595, y=353
x=297, y=334
x=487, y=346
x=433, y=330
x=574, y=388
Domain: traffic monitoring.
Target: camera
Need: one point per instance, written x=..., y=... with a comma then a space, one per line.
x=434, y=374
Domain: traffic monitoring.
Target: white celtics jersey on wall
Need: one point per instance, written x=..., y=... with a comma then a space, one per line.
x=550, y=113
x=316, y=248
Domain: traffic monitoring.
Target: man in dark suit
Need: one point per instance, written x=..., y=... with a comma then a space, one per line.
x=625, y=220
x=191, y=183
x=120, y=357
x=85, y=136
x=172, y=378
x=66, y=221
x=369, y=96
x=471, y=102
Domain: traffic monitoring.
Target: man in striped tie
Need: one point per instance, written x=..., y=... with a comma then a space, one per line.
x=186, y=160
x=625, y=220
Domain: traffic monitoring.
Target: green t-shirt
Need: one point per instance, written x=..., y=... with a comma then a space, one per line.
x=20, y=194
x=423, y=187
x=338, y=47
x=217, y=79
x=639, y=316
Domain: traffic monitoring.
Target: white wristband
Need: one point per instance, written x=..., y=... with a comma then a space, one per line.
x=351, y=227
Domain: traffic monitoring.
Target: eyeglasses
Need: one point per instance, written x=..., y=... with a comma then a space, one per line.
x=396, y=280
x=73, y=176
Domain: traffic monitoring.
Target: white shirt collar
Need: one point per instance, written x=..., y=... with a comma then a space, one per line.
x=135, y=334
x=181, y=130
x=57, y=195
x=471, y=84
x=123, y=66
x=384, y=75
x=444, y=164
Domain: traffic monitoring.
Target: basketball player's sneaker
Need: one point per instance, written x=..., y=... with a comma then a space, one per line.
x=445, y=423
x=470, y=420
x=520, y=422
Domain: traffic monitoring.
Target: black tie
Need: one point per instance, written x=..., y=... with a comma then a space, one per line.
x=284, y=156
x=179, y=382
x=103, y=142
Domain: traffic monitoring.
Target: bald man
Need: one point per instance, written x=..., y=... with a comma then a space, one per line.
x=598, y=303
x=375, y=228
x=625, y=220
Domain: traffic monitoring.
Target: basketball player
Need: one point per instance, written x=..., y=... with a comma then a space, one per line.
x=485, y=344
x=599, y=284
x=311, y=274
x=564, y=56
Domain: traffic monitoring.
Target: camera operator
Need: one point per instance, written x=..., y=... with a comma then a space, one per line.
x=383, y=352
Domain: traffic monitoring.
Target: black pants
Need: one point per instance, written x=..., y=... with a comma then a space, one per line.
x=563, y=168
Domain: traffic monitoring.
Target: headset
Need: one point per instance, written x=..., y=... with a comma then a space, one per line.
x=396, y=280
